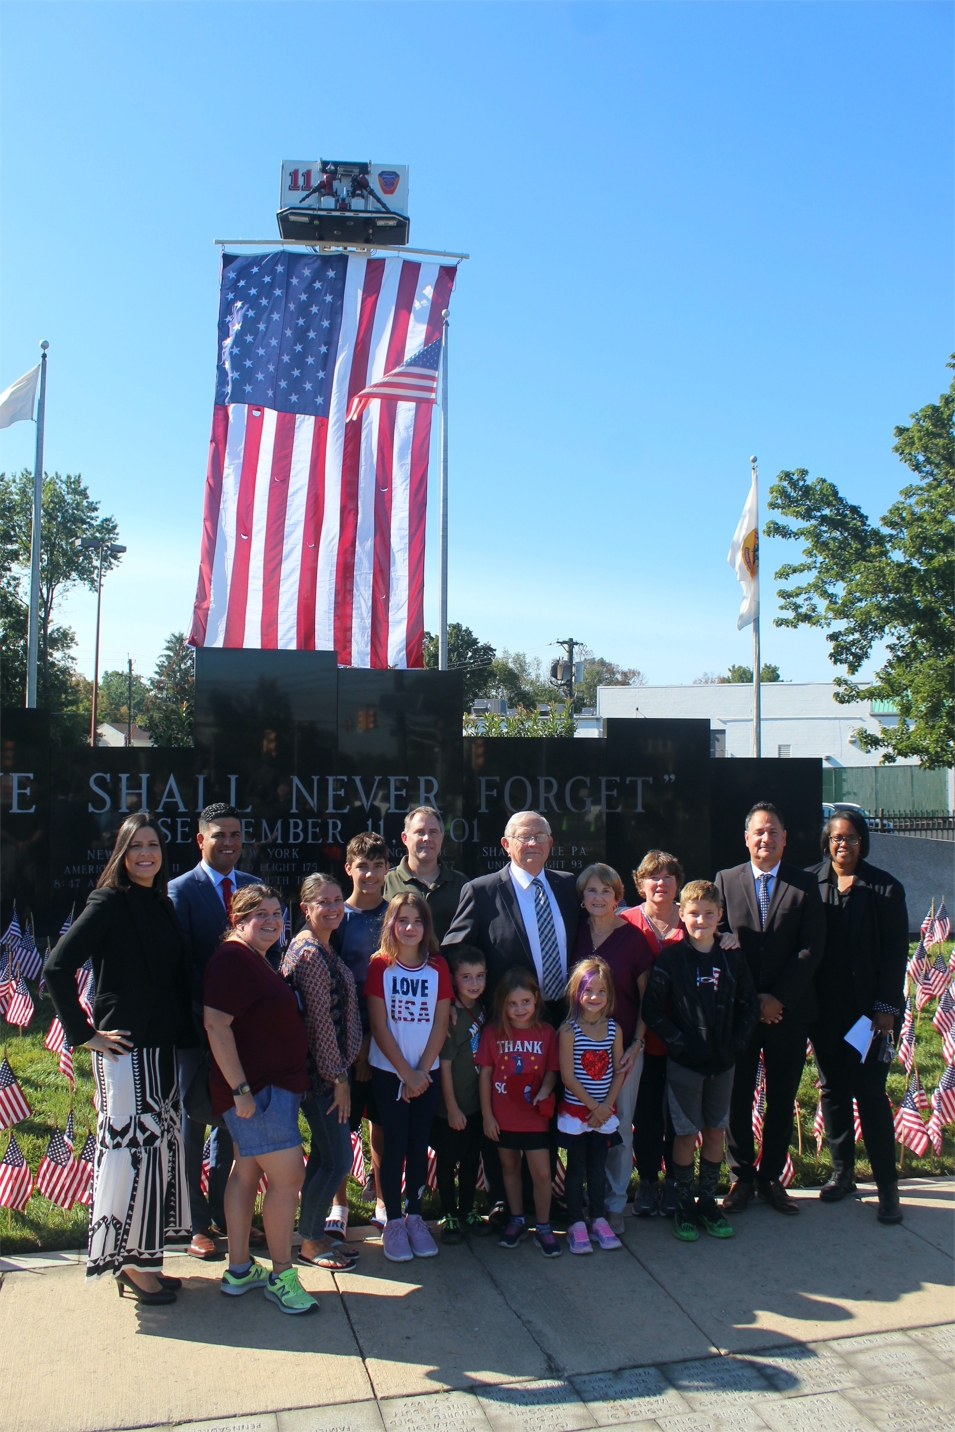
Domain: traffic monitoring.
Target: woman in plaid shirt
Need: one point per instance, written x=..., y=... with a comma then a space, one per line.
x=327, y=990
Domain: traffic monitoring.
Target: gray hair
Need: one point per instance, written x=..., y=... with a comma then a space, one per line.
x=423, y=810
x=520, y=815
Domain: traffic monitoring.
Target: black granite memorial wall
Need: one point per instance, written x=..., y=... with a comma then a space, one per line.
x=311, y=754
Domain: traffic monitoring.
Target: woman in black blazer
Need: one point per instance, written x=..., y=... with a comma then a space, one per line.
x=141, y=1013
x=862, y=973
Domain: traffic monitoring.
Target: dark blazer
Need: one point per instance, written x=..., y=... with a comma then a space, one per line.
x=202, y=916
x=782, y=958
x=140, y=969
x=489, y=916
x=878, y=936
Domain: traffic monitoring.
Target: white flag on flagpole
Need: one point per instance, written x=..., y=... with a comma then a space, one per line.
x=16, y=402
x=744, y=557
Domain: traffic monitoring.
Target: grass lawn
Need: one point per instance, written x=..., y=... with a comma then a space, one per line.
x=43, y=1226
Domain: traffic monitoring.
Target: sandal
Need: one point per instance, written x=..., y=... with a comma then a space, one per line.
x=340, y=1259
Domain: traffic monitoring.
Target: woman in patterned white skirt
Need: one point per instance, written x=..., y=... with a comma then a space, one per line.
x=141, y=1013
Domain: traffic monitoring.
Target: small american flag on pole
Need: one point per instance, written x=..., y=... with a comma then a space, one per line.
x=85, y=987
x=56, y=1042
x=69, y=1132
x=413, y=381
x=13, y=1106
x=31, y=962
x=943, y=1099
x=59, y=1178
x=910, y=1129
x=943, y=925
x=20, y=1008
x=16, y=1180
x=6, y=984
x=85, y=1168
x=907, y=1038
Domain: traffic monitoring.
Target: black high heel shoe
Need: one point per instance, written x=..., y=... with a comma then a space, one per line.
x=125, y=1284
x=173, y=1284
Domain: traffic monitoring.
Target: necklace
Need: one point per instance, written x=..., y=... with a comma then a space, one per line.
x=662, y=927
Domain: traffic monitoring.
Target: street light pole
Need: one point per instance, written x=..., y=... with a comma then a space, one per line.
x=114, y=549
x=33, y=628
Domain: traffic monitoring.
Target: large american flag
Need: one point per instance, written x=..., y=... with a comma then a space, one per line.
x=314, y=528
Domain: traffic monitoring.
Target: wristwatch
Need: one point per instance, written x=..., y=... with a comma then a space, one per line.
x=341, y=1079
x=241, y=1089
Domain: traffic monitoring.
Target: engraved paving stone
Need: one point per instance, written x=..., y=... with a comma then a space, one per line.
x=799, y=1371
x=543, y=1406
x=940, y=1341
x=635, y=1395
x=918, y=1403
x=739, y=1419
x=896, y=1363
x=263, y=1422
x=718, y=1382
x=434, y=1412
x=830, y=1412
x=344, y=1417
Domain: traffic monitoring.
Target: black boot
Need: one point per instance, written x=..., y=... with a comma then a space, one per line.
x=839, y=1186
x=890, y=1210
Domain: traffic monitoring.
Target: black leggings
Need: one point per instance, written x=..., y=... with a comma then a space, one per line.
x=652, y=1129
x=407, y=1131
x=451, y=1147
x=586, y=1163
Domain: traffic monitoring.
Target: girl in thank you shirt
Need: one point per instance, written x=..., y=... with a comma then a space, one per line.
x=519, y=1063
x=408, y=990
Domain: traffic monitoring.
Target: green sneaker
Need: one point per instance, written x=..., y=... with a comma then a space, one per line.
x=684, y=1222
x=477, y=1225
x=235, y=1285
x=451, y=1231
x=286, y=1291
x=713, y=1219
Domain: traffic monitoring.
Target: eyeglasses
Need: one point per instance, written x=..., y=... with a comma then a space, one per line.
x=328, y=904
x=851, y=840
x=530, y=839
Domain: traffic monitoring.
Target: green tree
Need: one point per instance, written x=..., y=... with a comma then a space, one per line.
x=888, y=582
x=520, y=679
x=112, y=703
x=467, y=654
x=600, y=672
x=521, y=723
x=168, y=711
x=69, y=513
x=743, y=674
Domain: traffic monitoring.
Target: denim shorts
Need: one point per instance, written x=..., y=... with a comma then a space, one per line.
x=273, y=1126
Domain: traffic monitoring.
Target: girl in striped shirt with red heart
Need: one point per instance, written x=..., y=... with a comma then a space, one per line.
x=591, y=1051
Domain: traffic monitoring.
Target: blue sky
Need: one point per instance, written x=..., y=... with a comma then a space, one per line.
x=697, y=231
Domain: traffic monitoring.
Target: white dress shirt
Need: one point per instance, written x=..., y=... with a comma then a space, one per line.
x=217, y=880
x=758, y=875
x=524, y=890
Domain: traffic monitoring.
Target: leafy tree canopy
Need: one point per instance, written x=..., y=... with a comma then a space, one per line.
x=768, y=672
x=473, y=658
x=892, y=581
x=598, y=671
x=168, y=711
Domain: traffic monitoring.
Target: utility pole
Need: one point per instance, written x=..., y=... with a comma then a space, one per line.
x=563, y=674
x=129, y=703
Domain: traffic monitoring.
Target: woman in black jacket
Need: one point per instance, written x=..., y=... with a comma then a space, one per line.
x=862, y=974
x=141, y=1013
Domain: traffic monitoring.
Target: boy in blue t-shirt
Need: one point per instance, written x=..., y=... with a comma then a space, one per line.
x=356, y=940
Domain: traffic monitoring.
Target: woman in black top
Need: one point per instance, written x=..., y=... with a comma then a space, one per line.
x=141, y=1013
x=862, y=974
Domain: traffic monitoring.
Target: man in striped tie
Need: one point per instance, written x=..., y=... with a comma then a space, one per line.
x=774, y=910
x=523, y=915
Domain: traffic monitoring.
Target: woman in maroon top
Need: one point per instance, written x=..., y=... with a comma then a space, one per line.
x=607, y=933
x=260, y=1049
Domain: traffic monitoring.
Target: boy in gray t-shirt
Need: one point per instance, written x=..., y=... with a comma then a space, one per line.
x=458, y=1130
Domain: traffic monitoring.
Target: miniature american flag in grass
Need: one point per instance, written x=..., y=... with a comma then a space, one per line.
x=85, y=1169
x=56, y=1042
x=759, y=1103
x=936, y=977
x=16, y=1180
x=30, y=959
x=943, y=925
x=856, y=1122
x=916, y=965
x=819, y=1127
x=788, y=1173
x=910, y=1129
x=357, y=1158
x=13, y=1106
x=206, y=1165
x=10, y=939
x=907, y=1038
x=59, y=1178
x=943, y=1099
x=20, y=1005
x=7, y=984
x=69, y=1132
x=85, y=988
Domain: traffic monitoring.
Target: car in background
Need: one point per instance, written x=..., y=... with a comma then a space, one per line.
x=874, y=822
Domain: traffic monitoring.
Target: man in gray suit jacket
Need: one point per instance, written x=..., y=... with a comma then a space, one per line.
x=774, y=910
x=202, y=899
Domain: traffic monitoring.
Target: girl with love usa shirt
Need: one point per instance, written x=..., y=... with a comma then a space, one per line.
x=411, y=999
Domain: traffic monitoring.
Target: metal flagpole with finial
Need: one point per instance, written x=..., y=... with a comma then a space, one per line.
x=757, y=696
x=33, y=636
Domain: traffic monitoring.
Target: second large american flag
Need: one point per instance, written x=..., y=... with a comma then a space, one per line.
x=314, y=528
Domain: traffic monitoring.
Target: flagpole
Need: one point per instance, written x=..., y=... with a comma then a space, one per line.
x=443, y=506
x=33, y=634
x=757, y=698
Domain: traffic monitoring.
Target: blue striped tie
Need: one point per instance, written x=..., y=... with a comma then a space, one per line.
x=763, y=899
x=553, y=980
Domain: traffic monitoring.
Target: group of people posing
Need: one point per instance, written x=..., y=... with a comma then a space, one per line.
x=493, y=1021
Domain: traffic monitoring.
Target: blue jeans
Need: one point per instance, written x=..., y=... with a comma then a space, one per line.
x=202, y=1212
x=329, y=1159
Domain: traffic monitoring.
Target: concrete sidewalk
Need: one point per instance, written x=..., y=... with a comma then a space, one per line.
x=825, y=1321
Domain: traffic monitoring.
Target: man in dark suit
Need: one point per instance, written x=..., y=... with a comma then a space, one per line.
x=773, y=909
x=522, y=914
x=202, y=899
x=527, y=916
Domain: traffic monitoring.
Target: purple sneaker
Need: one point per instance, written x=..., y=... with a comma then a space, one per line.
x=547, y=1244
x=604, y=1234
x=395, y=1244
x=422, y=1244
x=513, y=1233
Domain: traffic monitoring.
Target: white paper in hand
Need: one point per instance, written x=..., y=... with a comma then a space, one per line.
x=860, y=1036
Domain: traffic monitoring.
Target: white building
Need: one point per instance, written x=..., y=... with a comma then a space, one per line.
x=798, y=718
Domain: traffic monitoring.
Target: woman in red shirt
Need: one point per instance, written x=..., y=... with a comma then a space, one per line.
x=658, y=878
